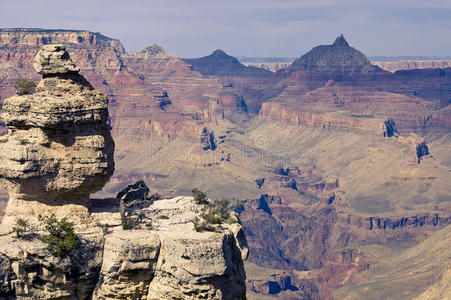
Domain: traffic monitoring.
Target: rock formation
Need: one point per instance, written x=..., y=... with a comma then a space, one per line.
x=171, y=260
x=57, y=152
x=220, y=63
x=338, y=57
x=207, y=140
x=326, y=117
x=163, y=257
x=58, y=149
x=393, y=66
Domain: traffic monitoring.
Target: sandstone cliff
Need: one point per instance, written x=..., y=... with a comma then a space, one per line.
x=351, y=198
x=162, y=258
x=57, y=152
x=58, y=149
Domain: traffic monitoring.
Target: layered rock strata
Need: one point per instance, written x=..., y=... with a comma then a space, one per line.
x=57, y=152
x=163, y=257
x=172, y=260
x=58, y=149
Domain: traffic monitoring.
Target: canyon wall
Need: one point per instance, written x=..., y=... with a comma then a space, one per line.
x=393, y=66
x=57, y=242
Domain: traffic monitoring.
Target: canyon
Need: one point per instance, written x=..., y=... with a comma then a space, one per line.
x=58, y=242
x=337, y=203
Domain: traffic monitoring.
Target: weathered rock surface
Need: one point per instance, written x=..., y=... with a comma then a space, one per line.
x=128, y=265
x=57, y=152
x=58, y=149
x=393, y=66
x=167, y=260
x=54, y=59
x=207, y=140
x=171, y=260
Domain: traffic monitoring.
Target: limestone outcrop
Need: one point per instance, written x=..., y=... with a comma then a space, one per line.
x=393, y=66
x=57, y=152
x=58, y=149
x=163, y=257
x=169, y=259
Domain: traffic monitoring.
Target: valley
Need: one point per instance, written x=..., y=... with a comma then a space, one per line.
x=339, y=198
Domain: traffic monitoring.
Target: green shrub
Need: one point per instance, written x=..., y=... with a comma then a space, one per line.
x=61, y=238
x=212, y=218
x=200, y=225
x=105, y=227
x=220, y=208
x=25, y=87
x=128, y=223
x=214, y=212
x=21, y=227
x=199, y=197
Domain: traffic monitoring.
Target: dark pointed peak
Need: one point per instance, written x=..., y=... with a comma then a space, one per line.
x=340, y=41
x=219, y=52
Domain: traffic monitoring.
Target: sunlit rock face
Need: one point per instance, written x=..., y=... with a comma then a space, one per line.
x=58, y=149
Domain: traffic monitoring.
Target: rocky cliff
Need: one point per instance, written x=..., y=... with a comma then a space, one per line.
x=249, y=80
x=161, y=258
x=393, y=66
x=339, y=78
x=334, y=204
x=56, y=242
x=152, y=93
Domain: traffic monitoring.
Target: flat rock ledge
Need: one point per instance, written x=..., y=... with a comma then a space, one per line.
x=163, y=258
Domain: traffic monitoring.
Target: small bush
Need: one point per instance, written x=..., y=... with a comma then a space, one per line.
x=21, y=227
x=5, y=140
x=199, y=197
x=164, y=217
x=214, y=212
x=61, y=238
x=25, y=87
x=105, y=227
x=128, y=223
x=200, y=225
x=212, y=218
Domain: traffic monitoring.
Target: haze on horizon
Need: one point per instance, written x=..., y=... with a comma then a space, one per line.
x=285, y=28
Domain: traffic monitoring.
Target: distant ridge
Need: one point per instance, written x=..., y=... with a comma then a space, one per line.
x=42, y=30
x=245, y=59
x=397, y=58
x=220, y=63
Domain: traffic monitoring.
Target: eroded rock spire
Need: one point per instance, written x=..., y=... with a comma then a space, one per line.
x=58, y=149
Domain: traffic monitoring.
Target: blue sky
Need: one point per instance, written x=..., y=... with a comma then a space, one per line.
x=284, y=28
